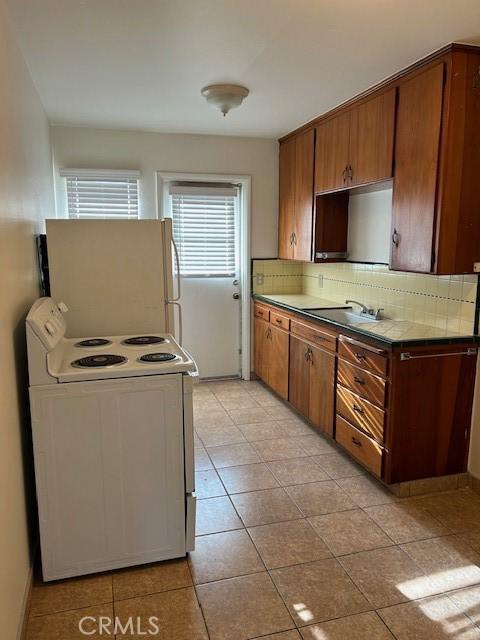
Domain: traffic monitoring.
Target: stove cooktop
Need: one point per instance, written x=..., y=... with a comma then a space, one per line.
x=101, y=360
x=157, y=357
x=93, y=342
x=143, y=341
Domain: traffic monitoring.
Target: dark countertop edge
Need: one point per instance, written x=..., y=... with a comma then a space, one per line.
x=415, y=342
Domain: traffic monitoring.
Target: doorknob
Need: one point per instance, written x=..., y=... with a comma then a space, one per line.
x=236, y=296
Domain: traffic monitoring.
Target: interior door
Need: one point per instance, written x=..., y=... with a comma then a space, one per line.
x=417, y=143
x=332, y=153
x=286, y=206
x=304, y=160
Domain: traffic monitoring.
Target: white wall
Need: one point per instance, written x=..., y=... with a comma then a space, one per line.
x=151, y=152
x=369, y=220
x=26, y=197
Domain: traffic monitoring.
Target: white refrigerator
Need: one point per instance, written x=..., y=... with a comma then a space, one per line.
x=115, y=276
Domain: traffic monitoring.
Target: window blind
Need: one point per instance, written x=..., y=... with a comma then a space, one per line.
x=93, y=195
x=204, y=228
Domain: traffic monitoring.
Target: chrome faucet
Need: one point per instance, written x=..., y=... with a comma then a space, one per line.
x=365, y=310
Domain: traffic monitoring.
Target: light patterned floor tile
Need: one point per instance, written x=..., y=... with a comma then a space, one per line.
x=153, y=578
x=318, y=498
x=75, y=593
x=249, y=477
x=233, y=455
x=68, y=625
x=362, y=626
x=263, y=507
x=215, y=515
x=208, y=484
x=296, y=471
x=242, y=608
x=224, y=555
x=318, y=591
x=286, y=543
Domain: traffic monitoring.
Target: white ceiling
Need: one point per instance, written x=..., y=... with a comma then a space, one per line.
x=140, y=64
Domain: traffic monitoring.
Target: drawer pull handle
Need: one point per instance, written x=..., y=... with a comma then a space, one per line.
x=356, y=408
x=278, y=321
x=360, y=356
x=358, y=380
x=356, y=442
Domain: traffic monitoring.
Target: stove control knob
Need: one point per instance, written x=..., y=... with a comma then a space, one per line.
x=50, y=328
x=63, y=307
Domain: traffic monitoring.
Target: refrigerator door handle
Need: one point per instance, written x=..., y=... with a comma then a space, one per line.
x=180, y=322
x=177, y=264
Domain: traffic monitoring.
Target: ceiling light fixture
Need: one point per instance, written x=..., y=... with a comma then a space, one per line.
x=225, y=96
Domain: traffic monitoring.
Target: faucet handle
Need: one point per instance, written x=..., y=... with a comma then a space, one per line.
x=378, y=315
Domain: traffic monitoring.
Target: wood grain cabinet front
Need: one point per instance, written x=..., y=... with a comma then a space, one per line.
x=404, y=414
x=295, y=216
x=312, y=383
x=271, y=354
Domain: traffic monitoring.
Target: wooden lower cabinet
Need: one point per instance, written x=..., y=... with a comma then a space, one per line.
x=277, y=375
x=271, y=356
x=403, y=413
x=312, y=383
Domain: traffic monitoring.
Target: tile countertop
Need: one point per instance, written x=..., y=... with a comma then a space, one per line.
x=394, y=333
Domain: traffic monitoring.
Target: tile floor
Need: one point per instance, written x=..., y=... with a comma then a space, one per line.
x=294, y=542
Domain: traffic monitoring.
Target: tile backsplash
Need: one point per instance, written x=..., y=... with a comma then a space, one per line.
x=447, y=302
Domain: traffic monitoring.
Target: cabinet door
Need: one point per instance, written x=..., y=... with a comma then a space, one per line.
x=278, y=361
x=304, y=156
x=416, y=164
x=286, y=205
x=260, y=348
x=371, y=139
x=331, y=154
x=322, y=389
x=299, y=392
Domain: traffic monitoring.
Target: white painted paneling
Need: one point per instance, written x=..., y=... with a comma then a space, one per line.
x=369, y=220
x=109, y=468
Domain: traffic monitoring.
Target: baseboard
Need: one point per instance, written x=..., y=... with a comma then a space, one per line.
x=22, y=625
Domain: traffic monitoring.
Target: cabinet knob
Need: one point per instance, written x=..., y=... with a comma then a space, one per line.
x=356, y=442
x=395, y=238
x=356, y=408
x=358, y=380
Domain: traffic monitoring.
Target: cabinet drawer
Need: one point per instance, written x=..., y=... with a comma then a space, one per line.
x=261, y=312
x=314, y=335
x=280, y=321
x=360, y=412
x=365, y=356
x=360, y=446
x=365, y=384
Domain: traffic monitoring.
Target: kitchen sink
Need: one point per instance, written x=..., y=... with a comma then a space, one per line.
x=344, y=316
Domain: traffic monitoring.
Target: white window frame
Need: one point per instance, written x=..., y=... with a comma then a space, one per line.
x=163, y=181
x=95, y=174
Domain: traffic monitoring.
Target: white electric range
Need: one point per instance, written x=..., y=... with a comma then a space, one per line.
x=112, y=425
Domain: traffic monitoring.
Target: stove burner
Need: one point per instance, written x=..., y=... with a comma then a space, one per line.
x=93, y=342
x=157, y=357
x=144, y=340
x=103, y=360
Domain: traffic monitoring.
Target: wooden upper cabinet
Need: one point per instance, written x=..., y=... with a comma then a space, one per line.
x=286, y=208
x=295, y=218
x=332, y=153
x=372, y=126
x=304, y=161
x=419, y=118
x=356, y=147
